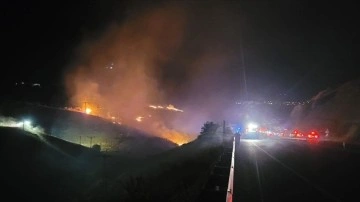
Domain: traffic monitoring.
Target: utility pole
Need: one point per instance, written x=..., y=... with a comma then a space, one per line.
x=85, y=106
x=223, y=136
x=80, y=139
x=243, y=68
x=244, y=72
x=224, y=127
x=91, y=137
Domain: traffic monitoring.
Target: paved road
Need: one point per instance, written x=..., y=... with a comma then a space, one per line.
x=283, y=170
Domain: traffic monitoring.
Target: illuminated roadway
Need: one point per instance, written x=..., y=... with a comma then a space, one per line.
x=294, y=170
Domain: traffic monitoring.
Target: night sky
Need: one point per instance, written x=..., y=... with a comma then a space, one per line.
x=292, y=48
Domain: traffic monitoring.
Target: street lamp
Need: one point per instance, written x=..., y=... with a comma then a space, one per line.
x=26, y=123
x=252, y=127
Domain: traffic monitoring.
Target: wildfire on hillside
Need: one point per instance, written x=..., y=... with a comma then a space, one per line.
x=152, y=123
x=149, y=59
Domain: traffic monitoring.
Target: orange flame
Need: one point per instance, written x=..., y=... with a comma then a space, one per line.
x=139, y=118
x=88, y=111
x=169, y=107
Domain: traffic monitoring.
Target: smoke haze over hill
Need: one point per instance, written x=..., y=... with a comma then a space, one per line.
x=160, y=56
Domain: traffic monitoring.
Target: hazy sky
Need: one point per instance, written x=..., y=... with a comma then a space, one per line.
x=292, y=47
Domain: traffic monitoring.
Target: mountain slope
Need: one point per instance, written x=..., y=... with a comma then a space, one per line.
x=89, y=130
x=336, y=109
x=33, y=168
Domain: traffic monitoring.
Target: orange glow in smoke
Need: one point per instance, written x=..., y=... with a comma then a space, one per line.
x=177, y=137
x=113, y=76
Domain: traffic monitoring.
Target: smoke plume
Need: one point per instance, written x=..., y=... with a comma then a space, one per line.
x=171, y=54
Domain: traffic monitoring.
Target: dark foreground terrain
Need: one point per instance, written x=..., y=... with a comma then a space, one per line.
x=45, y=168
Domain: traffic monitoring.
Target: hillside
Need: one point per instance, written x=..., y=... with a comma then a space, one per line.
x=34, y=168
x=336, y=109
x=46, y=168
x=177, y=175
x=88, y=130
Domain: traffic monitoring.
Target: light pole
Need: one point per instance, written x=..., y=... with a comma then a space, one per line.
x=27, y=123
x=91, y=137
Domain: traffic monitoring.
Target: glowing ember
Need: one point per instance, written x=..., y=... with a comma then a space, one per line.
x=139, y=118
x=88, y=110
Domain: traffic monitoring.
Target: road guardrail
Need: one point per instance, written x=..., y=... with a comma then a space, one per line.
x=230, y=189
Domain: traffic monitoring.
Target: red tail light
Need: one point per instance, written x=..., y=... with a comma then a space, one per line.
x=316, y=136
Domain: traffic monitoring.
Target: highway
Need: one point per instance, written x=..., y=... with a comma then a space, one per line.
x=294, y=170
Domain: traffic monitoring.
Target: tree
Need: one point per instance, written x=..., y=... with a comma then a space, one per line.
x=209, y=128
